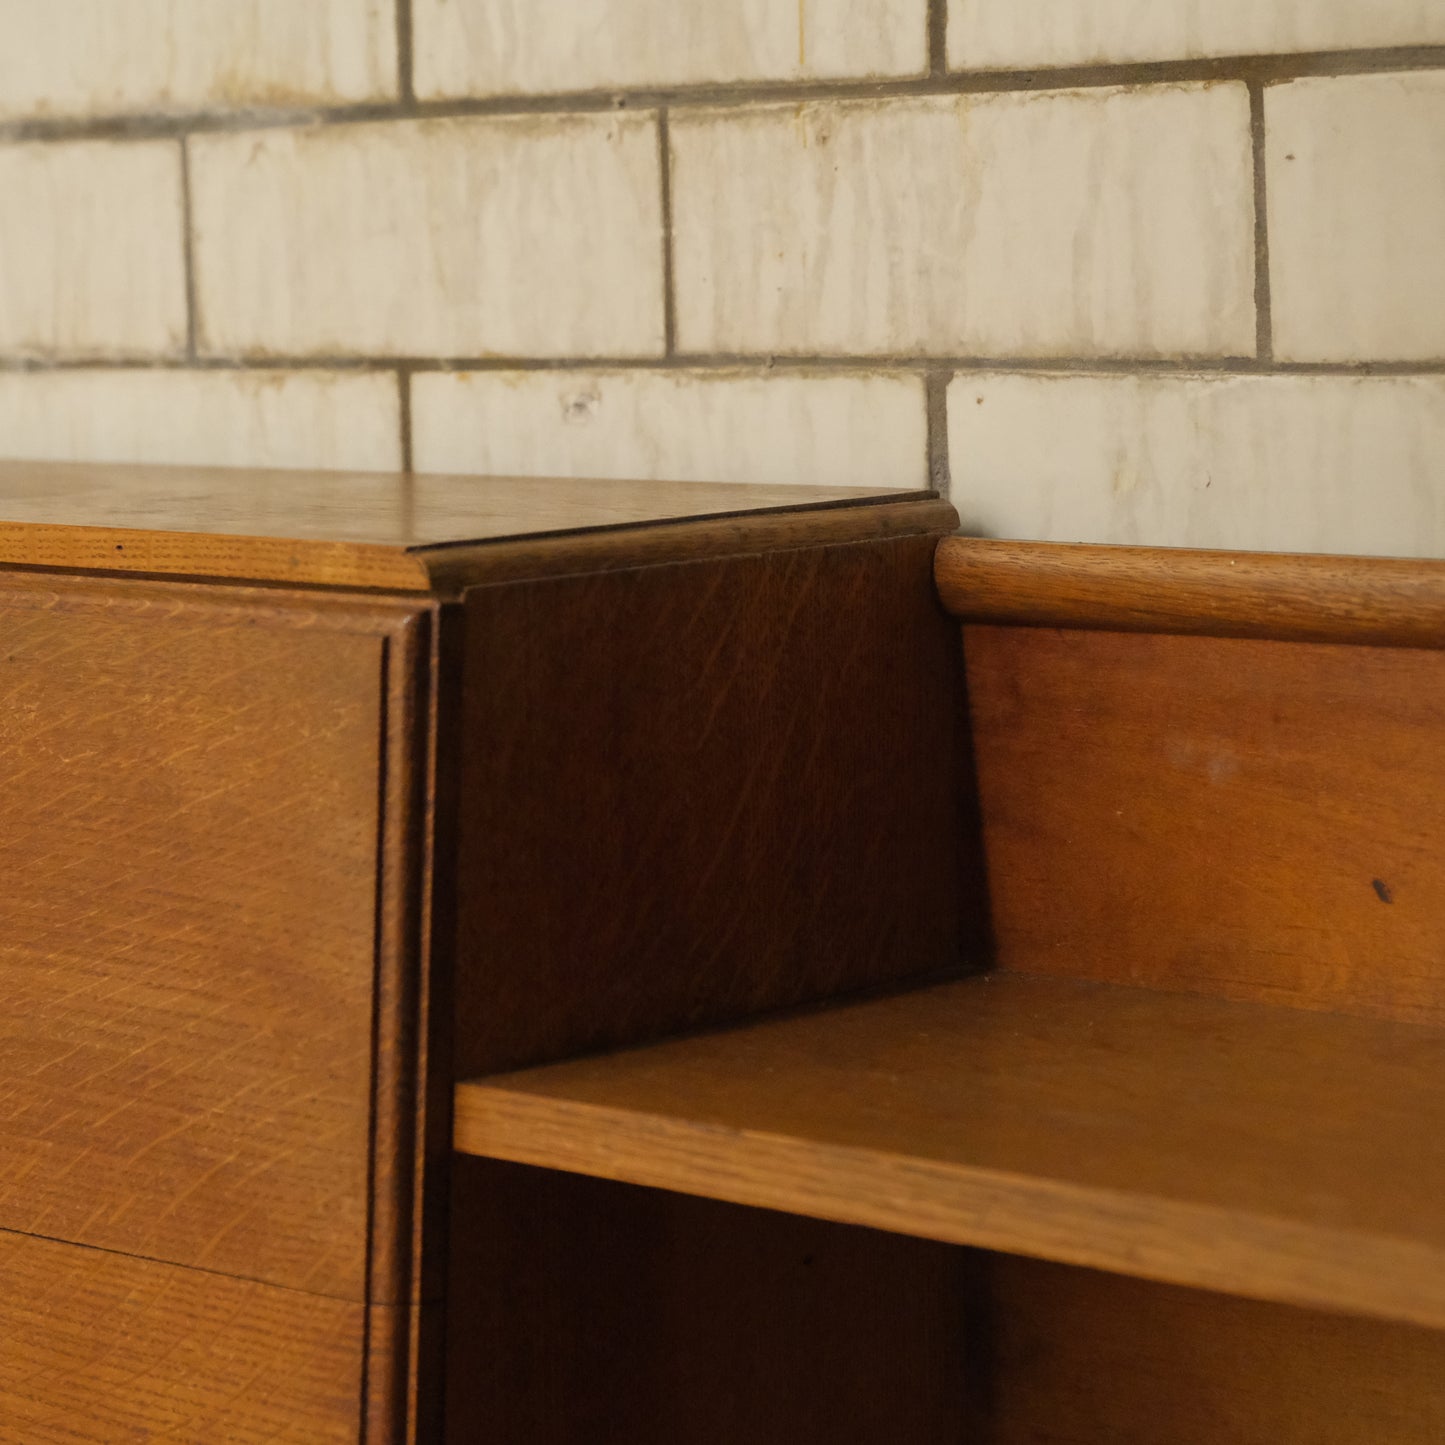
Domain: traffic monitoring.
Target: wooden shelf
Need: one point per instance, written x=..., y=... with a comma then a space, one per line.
x=1261, y=1151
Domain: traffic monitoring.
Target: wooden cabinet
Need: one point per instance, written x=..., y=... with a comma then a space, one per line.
x=314, y=790
x=539, y=963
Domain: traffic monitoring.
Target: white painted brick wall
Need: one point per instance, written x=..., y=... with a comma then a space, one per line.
x=842, y=431
x=1084, y=223
x=528, y=235
x=1017, y=34
x=1356, y=172
x=502, y=47
x=91, y=249
x=104, y=57
x=872, y=237
x=343, y=420
x=1273, y=463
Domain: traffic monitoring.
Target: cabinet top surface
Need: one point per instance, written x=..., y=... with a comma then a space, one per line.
x=354, y=529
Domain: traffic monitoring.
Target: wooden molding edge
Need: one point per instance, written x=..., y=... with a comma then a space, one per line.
x=1384, y=601
x=643, y=544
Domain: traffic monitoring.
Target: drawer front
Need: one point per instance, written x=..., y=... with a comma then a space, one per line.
x=99, y=1349
x=188, y=858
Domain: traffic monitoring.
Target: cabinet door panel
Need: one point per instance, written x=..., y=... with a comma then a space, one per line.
x=188, y=836
x=98, y=1349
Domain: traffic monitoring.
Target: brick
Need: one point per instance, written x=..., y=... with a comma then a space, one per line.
x=1009, y=34
x=1270, y=463
x=1073, y=223
x=864, y=431
x=1356, y=173
x=522, y=236
x=502, y=47
x=347, y=421
x=91, y=251
x=102, y=57
x=526, y=235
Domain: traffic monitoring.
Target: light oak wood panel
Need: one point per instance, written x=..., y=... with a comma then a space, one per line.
x=1307, y=597
x=101, y=1349
x=188, y=835
x=360, y=529
x=1074, y=1357
x=1262, y=820
x=723, y=785
x=1275, y=1153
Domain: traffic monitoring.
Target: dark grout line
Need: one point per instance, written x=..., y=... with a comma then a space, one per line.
x=405, y=54
x=937, y=38
x=1354, y=368
x=403, y=394
x=763, y=362
x=1263, y=306
x=1256, y=69
x=188, y=250
x=940, y=472
x=669, y=287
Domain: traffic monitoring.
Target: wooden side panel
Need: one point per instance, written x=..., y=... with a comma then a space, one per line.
x=585, y=1313
x=1079, y=1358
x=188, y=834
x=692, y=792
x=1260, y=820
x=100, y=1349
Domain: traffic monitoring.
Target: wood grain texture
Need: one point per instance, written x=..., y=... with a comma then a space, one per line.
x=685, y=539
x=590, y=1313
x=188, y=832
x=101, y=1349
x=384, y=530
x=1260, y=820
x=690, y=792
x=1274, y=1153
x=1382, y=600
x=1080, y=1358
x=411, y=1110
x=404, y=1133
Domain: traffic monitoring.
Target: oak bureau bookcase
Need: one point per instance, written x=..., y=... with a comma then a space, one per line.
x=496, y=962
x=317, y=791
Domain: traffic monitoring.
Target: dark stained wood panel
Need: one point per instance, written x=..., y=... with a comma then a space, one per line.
x=345, y=529
x=1080, y=1358
x=1261, y=820
x=101, y=1349
x=188, y=836
x=1272, y=1152
x=585, y=1313
x=690, y=792
x=1381, y=600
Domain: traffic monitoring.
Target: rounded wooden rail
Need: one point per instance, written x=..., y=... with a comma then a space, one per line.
x=1386, y=601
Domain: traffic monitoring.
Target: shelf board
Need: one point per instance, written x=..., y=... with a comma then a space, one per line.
x=1260, y=1151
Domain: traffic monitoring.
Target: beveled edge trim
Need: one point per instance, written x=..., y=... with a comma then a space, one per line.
x=643, y=544
x=226, y=557
x=1299, y=597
